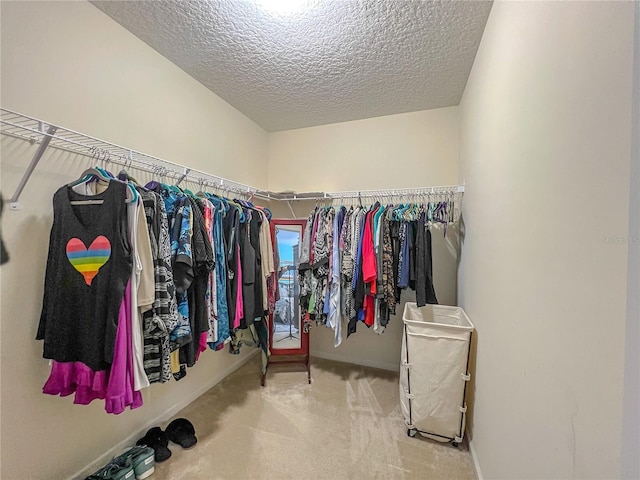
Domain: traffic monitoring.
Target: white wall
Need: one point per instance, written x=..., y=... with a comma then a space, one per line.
x=406, y=150
x=545, y=155
x=631, y=414
x=68, y=63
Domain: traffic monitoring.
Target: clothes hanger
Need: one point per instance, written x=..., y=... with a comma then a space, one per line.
x=398, y=214
x=217, y=193
x=392, y=212
x=101, y=174
x=124, y=174
x=401, y=211
x=222, y=197
x=201, y=193
x=169, y=188
x=266, y=211
x=188, y=191
x=242, y=209
x=417, y=209
x=132, y=195
x=233, y=202
x=89, y=175
x=406, y=212
x=154, y=184
x=175, y=189
x=407, y=215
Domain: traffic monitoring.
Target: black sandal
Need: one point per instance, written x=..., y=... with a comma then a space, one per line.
x=181, y=431
x=158, y=440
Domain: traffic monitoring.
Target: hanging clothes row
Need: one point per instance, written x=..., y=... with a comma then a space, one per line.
x=141, y=280
x=355, y=262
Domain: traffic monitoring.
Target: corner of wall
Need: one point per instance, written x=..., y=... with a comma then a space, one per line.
x=630, y=464
x=474, y=458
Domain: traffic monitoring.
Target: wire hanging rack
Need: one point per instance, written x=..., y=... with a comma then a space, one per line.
x=47, y=135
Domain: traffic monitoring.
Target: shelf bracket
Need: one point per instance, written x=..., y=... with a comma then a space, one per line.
x=183, y=176
x=13, y=201
x=293, y=214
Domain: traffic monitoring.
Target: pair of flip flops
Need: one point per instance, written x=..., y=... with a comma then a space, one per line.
x=179, y=431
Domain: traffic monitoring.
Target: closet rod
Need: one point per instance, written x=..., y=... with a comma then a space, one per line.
x=22, y=126
x=395, y=192
x=28, y=128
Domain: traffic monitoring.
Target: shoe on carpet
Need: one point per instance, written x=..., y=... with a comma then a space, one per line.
x=181, y=431
x=113, y=471
x=158, y=440
x=141, y=458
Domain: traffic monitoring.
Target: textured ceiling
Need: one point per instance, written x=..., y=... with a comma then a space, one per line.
x=330, y=61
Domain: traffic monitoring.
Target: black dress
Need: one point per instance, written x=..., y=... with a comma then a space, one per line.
x=88, y=267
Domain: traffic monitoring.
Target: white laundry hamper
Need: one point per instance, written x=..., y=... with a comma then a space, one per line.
x=433, y=378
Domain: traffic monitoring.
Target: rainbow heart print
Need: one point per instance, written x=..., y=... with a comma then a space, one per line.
x=88, y=260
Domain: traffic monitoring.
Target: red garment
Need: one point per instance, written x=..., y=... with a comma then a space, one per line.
x=369, y=309
x=202, y=344
x=369, y=262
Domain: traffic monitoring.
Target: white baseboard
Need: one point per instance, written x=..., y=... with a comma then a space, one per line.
x=166, y=415
x=394, y=367
x=476, y=464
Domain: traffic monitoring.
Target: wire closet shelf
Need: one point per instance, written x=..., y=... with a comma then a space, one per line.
x=47, y=135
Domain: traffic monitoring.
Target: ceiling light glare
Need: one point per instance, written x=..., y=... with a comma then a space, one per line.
x=282, y=7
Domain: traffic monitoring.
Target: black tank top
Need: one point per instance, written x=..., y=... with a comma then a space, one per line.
x=88, y=267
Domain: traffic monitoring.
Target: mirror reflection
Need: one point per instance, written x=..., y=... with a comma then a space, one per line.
x=286, y=318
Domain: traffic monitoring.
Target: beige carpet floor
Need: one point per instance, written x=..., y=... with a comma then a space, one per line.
x=346, y=425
